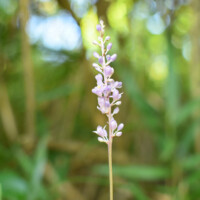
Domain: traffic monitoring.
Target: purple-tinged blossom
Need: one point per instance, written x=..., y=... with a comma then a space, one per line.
x=98, y=91
x=97, y=67
x=101, y=60
x=107, y=88
x=99, y=79
x=109, y=46
x=118, y=134
x=107, y=38
x=116, y=95
x=96, y=55
x=120, y=127
x=101, y=131
x=113, y=57
x=117, y=84
x=118, y=103
x=95, y=42
x=104, y=105
x=115, y=111
x=108, y=71
x=98, y=27
x=108, y=57
x=113, y=124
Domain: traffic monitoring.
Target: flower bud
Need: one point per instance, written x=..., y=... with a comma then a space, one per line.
x=116, y=95
x=107, y=38
x=113, y=57
x=96, y=55
x=95, y=65
x=98, y=27
x=117, y=84
x=120, y=127
x=115, y=111
x=108, y=57
x=118, y=134
x=101, y=139
x=113, y=124
x=95, y=42
x=118, y=103
x=101, y=60
x=109, y=46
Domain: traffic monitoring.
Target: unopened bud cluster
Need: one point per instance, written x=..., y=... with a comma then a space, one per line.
x=106, y=89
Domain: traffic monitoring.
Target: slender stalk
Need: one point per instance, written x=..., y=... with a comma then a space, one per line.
x=110, y=130
x=110, y=157
x=108, y=96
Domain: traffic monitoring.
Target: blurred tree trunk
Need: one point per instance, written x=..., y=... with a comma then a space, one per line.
x=28, y=71
x=195, y=65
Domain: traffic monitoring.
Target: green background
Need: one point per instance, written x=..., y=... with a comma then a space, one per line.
x=48, y=112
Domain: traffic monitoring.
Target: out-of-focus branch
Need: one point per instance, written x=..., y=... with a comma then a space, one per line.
x=6, y=113
x=66, y=5
x=195, y=65
x=102, y=9
x=28, y=70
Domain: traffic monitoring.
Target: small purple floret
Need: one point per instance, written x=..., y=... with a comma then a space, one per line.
x=113, y=124
x=96, y=55
x=108, y=57
x=98, y=27
x=113, y=57
x=109, y=46
x=101, y=60
x=107, y=38
x=108, y=71
x=120, y=127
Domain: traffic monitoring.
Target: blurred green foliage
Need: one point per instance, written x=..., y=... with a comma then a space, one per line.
x=54, y=155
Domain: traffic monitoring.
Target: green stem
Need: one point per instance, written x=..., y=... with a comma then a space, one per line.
x=110, y=158
x=110, y=170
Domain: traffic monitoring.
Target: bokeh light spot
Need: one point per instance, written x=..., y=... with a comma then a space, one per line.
x=88, y=28
x=158, y=70
x=155, y=24
x=117, y=16
x=56, y=32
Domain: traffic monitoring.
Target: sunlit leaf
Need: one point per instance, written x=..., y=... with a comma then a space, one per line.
x=12, y=184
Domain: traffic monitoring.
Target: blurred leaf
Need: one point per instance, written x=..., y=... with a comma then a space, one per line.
x=4, y=153
x=59, y=92
x=171, y=88
x=193, y=178
x=150, y=114
x=144, y=173
x=12, y=185
x=167, y=148
x=137, y=191
x=186, y=111
x=191, y=162
x=7, y=9
x=24, y=161
x=40, y=159
x=187, y=139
